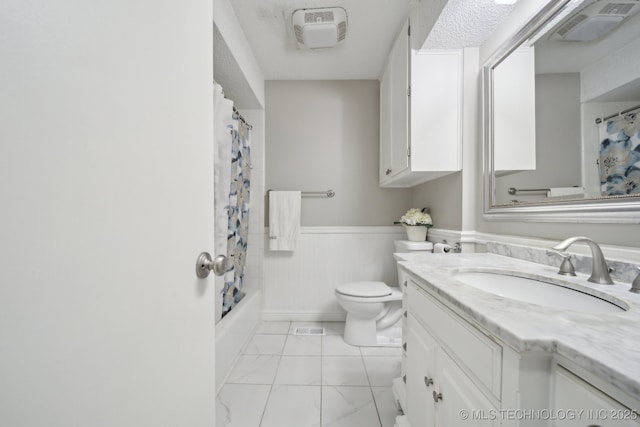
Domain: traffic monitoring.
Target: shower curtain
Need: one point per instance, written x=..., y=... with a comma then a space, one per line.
x=620, y=156
x=232, y=179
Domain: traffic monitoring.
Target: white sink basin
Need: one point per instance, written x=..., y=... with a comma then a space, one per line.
x=540, y=292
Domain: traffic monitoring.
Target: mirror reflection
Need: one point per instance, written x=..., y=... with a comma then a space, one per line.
x=566, y=109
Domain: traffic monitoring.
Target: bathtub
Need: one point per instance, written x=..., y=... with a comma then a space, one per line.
x=234, y=330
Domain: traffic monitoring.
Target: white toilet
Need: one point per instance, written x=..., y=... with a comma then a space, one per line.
x=374, y=309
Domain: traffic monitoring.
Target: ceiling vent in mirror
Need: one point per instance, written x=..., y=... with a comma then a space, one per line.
x=318, y=28
x=596, y=20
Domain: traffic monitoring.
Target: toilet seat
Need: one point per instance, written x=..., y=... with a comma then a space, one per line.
x=364, y=289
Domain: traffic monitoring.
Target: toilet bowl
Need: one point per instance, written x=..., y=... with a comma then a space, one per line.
x=374, y=310
x=371, y=307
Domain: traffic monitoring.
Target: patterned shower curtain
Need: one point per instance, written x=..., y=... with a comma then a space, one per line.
x=238, y=214
x=620, y=156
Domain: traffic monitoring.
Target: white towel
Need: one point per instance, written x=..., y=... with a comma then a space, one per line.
x=284, y=220
x=565, y=191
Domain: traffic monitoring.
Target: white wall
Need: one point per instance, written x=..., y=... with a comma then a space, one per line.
x=324, y=135
x=300, y=285
x=444, y=198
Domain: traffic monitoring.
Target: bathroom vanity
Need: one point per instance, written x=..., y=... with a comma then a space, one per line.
x=474, y=357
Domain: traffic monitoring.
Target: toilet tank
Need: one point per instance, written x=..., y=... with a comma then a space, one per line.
x=409, y=246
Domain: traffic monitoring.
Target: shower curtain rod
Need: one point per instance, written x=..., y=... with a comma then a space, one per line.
x=235, y=111
x=598, y=121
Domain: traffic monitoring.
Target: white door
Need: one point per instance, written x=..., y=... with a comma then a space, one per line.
x=106, y=195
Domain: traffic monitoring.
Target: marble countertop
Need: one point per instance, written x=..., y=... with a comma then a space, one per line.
x=607, y=344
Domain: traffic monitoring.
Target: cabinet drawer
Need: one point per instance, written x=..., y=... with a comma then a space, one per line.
x=589, y=405
x=477, y=354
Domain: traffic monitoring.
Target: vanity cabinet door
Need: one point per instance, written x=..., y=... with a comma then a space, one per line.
x=459, y=400
x=585, y=405
x=420, y=371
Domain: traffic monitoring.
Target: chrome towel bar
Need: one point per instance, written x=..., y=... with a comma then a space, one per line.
x=328, y=193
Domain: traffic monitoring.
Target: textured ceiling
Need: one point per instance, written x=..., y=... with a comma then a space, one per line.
x=466, y=23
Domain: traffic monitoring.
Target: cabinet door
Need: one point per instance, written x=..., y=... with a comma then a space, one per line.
x=385, y=125
x=420, y=370
x=577, y=404
x=436, y=110
x=399, y=83
x=514, y=98
x=459, y=401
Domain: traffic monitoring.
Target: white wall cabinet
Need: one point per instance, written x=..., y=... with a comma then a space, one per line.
x=420, y=114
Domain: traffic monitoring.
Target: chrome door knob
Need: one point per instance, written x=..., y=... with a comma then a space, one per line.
x=205, y=264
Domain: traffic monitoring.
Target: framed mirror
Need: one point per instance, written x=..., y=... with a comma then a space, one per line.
x=562, y=116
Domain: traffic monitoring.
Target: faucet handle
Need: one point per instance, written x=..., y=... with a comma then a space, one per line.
x=566, y=267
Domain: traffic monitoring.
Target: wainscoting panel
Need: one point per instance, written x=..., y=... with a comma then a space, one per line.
x=300, y=285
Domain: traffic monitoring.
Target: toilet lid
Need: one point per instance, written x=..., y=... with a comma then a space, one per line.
x=364, y=289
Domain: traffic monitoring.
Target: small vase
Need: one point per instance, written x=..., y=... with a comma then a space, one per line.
x=416, y=233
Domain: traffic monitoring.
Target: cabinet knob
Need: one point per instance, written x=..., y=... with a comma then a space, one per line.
x=404, y=346
x=437, y=396
x=404, y=379
x=428, y=381
x=405, y=283
x=405, y=313
x=388, y=172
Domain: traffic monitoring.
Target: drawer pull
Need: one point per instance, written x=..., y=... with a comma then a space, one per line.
x=428, y=381
x=404, y=346
x=404, y=379
x=437, y=396
x=405, y=313
x=405, y=283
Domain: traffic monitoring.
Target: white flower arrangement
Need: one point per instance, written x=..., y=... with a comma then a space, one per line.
x=416, y=217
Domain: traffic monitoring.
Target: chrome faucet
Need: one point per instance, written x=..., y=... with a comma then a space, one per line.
x=599, y=268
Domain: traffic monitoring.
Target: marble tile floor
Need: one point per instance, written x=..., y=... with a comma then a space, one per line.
x=287, y=380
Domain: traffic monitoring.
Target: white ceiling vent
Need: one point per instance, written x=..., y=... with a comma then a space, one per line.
x=317, y=28
x=596, y=20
